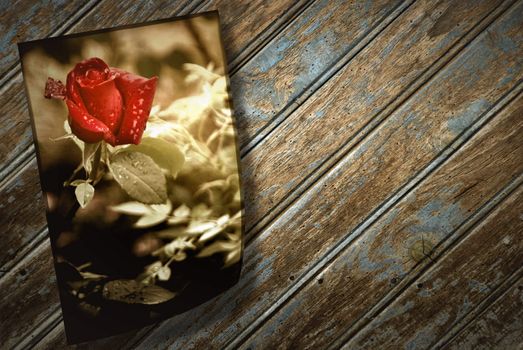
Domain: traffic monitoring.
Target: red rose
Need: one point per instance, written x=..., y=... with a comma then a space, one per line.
x=108, y=103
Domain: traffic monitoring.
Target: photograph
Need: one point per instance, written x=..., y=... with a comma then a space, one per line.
x=139, y=166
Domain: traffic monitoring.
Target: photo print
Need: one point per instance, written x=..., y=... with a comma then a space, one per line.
x=138, y=161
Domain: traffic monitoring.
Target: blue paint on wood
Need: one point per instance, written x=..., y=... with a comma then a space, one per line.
x=264, y=92
x=441, y=214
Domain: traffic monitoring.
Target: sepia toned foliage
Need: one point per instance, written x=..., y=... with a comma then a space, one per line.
x=144, y=224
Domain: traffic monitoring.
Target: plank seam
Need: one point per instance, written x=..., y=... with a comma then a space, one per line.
x=379, y=118
x=26, y=157
x=188, y=9
x=146, y=335
x=375, y=215
x=14, y=69
x=41, y=330
x=329, y=72
x=444, y=247
x=269, y=34
x=496, y=295
x=18, y=259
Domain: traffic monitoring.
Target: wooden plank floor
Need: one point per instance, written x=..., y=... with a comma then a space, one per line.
x=382, y=157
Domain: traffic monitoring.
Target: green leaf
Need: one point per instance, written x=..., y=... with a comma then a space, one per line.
x=219, y=247
x=139, y=176
x=132, y=208
x=164, y=273
x=166, y=154
x=67, y=127
x=133, y=292
x=157, y=214
x=84, y=193
x=151, y=219
x=78, y=182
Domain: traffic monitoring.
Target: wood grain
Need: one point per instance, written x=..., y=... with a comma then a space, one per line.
x=29, y=296
x=354, y=97
x=283, y=70
x=376, y=263
x=425, y=311
x=45, y=17
x=244, y=23
x=498, y=327
x=17, y=128
x=23, y=219
x=377, y=161
x=405, y=144
x=15, y=190
x=291, y=29
x=412, y=15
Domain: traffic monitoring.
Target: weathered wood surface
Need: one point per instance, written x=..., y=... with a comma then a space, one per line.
x=426, y=310
x=377, y=262
x=20, y=238
x=29, y=296
x=46, y=19
x=342, y=109
x=500, y=326
x=22, y=214
x=354, y=101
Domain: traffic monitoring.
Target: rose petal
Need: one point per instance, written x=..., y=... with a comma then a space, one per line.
x=104, y=102
x=86, y=127
x=91, y=72
x=138, y=93
x=73, y=89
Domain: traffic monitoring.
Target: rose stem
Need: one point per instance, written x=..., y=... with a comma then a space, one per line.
x=96, y=162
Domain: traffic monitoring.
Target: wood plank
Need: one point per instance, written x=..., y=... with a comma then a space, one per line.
x=198, y=312
x=22, y=213
x=45, y=18
x=245, y=21
x=377, y=262
x=17, y=132
x=426, y=310
x=396, y=59
x=283, y=70
x=288, y=176
x=13, y=132
x=498, y=327
x=29, y=296
x=296, y=242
